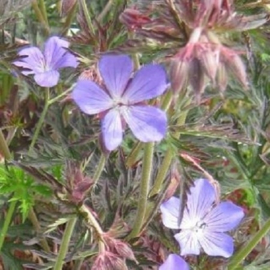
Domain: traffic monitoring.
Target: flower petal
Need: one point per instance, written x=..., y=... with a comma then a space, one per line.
x=90, y=97
x=189, y=242
x=217, y=244
x=147, y=123
x=199, y=203
x=224, y=217
x=115, y=71
x=47, y=79
x=112, y=131
x=56, y=54
x=149, y=82
x=174, y=262
x=33, y=61
x=170, y=213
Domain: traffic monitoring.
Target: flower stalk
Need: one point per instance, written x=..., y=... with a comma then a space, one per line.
x=144, y=189
x=242, y=253
x=41, y=119
x=4, y=150
x=90, y=219
x=87, y=16
x=165, y=165
x=7, y=221
x=40, y=16
x=99, y=169
x=65, y=244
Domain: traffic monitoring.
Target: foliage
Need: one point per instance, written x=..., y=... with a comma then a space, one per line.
x=69, y=203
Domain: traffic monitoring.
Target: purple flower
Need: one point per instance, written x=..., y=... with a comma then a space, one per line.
x=45, y=65
x=174, y=262
x=122, y=100
x=204, y=224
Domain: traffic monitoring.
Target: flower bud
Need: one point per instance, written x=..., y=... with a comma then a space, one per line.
x=178, y=74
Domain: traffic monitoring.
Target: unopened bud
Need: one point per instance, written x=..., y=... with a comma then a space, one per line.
x=235, y=65
x=197, y=77
x=178, y=74
x=222, y=77
x=210, y=61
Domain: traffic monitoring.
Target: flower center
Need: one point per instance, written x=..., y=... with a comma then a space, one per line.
x=199, y=227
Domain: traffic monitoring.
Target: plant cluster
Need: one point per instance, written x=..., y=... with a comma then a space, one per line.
x=134, y=134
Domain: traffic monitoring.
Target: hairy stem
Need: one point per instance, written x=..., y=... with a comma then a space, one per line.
x=69, y=19
x=33, y=218
x=65, y=244
x=87, y=16
x=90, y=219
x=239, y=256
x=133, y=156
x=99, y=169
x=40, y=16
x=41, y=120
x=165, y=166
x=7, y=221
x=44, y=11
x=4, y=150
x=144, y=189
x=105, y=10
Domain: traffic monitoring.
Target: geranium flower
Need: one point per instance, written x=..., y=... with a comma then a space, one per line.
x=204, y=224
x=174, y=262
x=121, y=101
x=44, y=66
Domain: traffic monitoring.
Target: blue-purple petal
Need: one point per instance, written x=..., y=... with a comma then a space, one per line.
x=148, y=124
x=112, y=130
x=189, y=242
x=90, y=98
x=32, y=60
x=170, y=211
x=149, y=82
x=174, y=262
x=115, y=71
x=217, y=244
x=199, y=202
x=56, y=54
x=47, y=79
x=224, y=217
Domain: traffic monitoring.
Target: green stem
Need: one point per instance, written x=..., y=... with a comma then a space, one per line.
x=166, y=102
x=4, y=150
x=87, y=16
x=99, y=169
x=162, y=172
x=40, y=16
x=165, y=166
x=41, y=120
x=33, y=218
x=90, y=219
x=65, y=244
x=105, y=10
x=51, y=101
x=7, y=222
x=69, y=20
x=133, y=156
x=239, y=256
x=144, y=189
x=44, y=11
